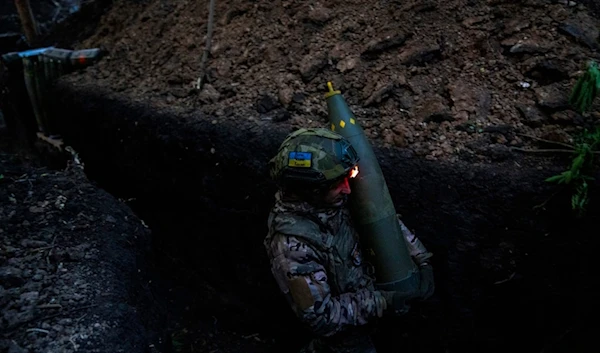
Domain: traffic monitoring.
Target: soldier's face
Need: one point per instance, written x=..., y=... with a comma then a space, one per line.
x=336, y=195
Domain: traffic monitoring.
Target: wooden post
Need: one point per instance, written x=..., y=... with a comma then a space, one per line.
x=27, y=21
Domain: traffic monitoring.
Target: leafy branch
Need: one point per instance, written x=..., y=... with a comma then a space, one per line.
x=586, y=89
x=581, y=98
x=581, y=166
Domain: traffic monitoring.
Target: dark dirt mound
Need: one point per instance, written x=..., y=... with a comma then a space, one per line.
x=74, y=271
x=70, y=263
x=447, y=79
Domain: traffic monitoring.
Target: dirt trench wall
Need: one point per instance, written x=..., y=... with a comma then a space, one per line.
x=72, y=264
x=509, y=277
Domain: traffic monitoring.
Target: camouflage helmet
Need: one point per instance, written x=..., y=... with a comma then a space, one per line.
x=312, y=157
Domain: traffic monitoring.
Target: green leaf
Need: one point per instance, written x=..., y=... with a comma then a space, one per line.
x=556, y=178
x=585, y=89
x=595, y=137
x=568, y=176
x=577, y=164
x=580, y=197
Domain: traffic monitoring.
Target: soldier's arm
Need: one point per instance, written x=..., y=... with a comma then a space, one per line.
x=300, y=274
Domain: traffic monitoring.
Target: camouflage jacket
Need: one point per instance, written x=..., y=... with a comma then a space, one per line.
x=316, y=260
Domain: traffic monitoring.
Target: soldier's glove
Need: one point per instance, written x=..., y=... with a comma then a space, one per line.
x=426, y=283
x=417, y=250
x=396, y=303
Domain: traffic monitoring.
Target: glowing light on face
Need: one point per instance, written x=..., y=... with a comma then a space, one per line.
x=354, y=172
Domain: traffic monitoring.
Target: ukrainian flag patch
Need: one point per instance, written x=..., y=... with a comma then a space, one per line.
x=300, y=159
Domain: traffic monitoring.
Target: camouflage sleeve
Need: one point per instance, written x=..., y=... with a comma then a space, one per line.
x=299, y=272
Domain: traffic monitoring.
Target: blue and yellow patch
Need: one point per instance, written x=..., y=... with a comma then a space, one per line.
x=300, y=159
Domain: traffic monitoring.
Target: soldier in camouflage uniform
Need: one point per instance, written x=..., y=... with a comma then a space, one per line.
x=315, y=252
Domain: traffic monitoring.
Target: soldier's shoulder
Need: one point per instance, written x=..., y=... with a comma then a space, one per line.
x=298, y=226
x=292, y=224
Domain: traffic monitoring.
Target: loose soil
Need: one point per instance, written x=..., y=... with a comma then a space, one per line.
x=71, y=262
x=77, y=272
x=447, y=79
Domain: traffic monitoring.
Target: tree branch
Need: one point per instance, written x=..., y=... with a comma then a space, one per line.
x=211, y=17
x=547, y=141
x=547, y=150
x=28, y=23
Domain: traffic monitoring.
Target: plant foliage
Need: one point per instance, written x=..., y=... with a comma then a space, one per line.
x=581, y=167
x=586, y=89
